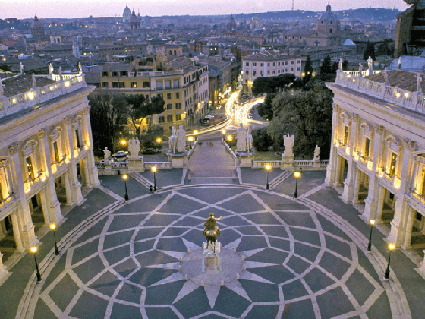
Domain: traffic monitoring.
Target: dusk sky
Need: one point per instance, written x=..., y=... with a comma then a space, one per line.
x=109, y=8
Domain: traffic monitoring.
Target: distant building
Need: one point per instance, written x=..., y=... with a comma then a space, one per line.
x=37, y=29
x=126, y=16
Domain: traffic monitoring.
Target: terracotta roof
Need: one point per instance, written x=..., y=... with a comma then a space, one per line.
x=22, y=83
x=405, y=80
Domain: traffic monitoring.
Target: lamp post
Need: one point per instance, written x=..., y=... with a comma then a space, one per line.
x=158, y=142
x=190, y=139
x=391, y=247
x=124, y=177
x=229, y=138
x=268, y=168
x=371, y=222
x=195, y=132
x=153, y=169
x=53, y=228
x=123, y=143
x=223, y=134
x=297, y=174
x=33, y=250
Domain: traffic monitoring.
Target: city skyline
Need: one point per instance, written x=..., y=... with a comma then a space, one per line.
x=78, y=9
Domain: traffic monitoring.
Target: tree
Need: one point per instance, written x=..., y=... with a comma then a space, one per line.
x=307, y=115
x=370, y=51
x=308, y=70
x=265, y=109
x=272, y=84
x=345, y=65
x=261, y=140
x=139, y=108
x=326, y=67
x=108, y=117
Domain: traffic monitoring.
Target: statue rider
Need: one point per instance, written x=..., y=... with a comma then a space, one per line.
x=210, y=224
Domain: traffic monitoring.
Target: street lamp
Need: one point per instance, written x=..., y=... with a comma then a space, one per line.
x=268, y=168
x=53, y=228
x=195, y=132
x=33, y=250
x=190, y=139
x=371, y=222
x=153, y=169
x=391, y=247
x=223, y=134
x=159, y=141
x=229, y=138
x=123, y=143
x=124, y=177
x=297, y=174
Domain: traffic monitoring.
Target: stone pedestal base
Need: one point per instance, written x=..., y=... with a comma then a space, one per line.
x=135, y=165
x=287, y=161
x=421, y=269
x=245, y=159
x=211, y=260
x=178, y=160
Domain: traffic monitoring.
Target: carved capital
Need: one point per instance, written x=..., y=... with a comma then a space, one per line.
x=13, y=148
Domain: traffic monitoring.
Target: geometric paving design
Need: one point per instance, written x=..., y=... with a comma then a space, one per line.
x=291, y=262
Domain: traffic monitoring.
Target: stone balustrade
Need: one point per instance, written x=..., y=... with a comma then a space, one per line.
x=35, y=96
x=413, y=101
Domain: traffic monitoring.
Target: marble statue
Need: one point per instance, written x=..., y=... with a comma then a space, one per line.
x=399, y=63
x=50, y=68
x=172, y=141
x=1, y=88
x=134, y=148
x=288, y=141
x=241, y=134
x=370, y=65
x=249, y=140
x=386, y=77
x=21, y=68
x=316, y=157
x=34, y=81
x=418, y=83
x=360, y=69
x=107, y=154
x=181, y=139
x=340, y=64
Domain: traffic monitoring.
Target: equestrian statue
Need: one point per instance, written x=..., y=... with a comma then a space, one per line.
x=211, y=231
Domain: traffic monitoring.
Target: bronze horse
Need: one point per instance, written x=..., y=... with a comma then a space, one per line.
x=211, y=231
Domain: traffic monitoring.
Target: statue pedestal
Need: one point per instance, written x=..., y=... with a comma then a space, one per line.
x=245, y=159
x=135, y=165
x=211, y=259
x=287, y=161
x=178, y=160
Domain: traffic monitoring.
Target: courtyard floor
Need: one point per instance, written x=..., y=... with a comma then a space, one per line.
x=280, y=258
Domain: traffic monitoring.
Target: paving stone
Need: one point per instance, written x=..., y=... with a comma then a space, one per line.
x=116, y=255
x=381, y=308
x=125, y=312
x=230, y=303
x=317, y=280
x=117, y=239
x=336, y=266
x=42, y=311
x=297, y=264
x=359, y=286
x=299, y=310
x=261, y=292
x=106, y=284
x=275, y=274
x=85, y=307
x=85, y=250
x=306, y=251
x=293, y=290
x=163, y=294
x=334, y=303
x=130, y=293
x=263, y=312
x=126, y=221
x=64, y=291
x=89, y=269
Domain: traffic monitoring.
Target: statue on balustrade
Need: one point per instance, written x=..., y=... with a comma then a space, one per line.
x=241, y=134
x=181, y=139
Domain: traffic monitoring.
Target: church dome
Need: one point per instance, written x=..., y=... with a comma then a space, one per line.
x=328, y=15
x=126, y=14
x=37, y=28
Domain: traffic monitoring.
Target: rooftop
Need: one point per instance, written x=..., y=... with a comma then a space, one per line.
x=22, y=83
x=405, y=80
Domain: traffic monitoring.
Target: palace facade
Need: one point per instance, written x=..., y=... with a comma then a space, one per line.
x=46, y=154
x=377, y=159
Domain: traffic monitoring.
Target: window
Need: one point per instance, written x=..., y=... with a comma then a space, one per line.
x=298, y=69
x=161, y=119
x=178, y=106
x=176, y=83
x=169, y=118
x=114, y=84
x=292, y=62
x=268, y=64
x=247, y=72
x=114, y=73
x=169, y=106
x=146, y=84
x=393, y=164
x=105, y=73
x=262, y=64
x=159, y=85
x=124, y=73
x=105, y=84
x=345, y=140
x=274, y=63
x=298, y=61
x=169, y=96
x=254, y=73
x=168, y=84
x=292, y=69
x=286, y=62
x=367, y=148
x=133, y=84
x=178, y=117
x=120, y=84
x=77, y=139
x=274, y=72
x=56, y=151
x=177, y=95
x=30, y=168
x=254, y=64
x=247, y=64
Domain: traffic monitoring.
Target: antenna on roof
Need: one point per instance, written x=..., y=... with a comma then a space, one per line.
x=293, y=5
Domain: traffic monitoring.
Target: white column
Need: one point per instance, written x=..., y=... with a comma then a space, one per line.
x=76, y=195
x=52, y=202
x=380, y=204
x=409, y=225
x=421, y=269
x=91, y=168
x=16, y=232
x=26, y=231
x=347, y=195
x=399, y=221
x=332, y=166
x=358, y=177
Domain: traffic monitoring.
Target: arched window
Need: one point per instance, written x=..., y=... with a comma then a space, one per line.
x=330, y=30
